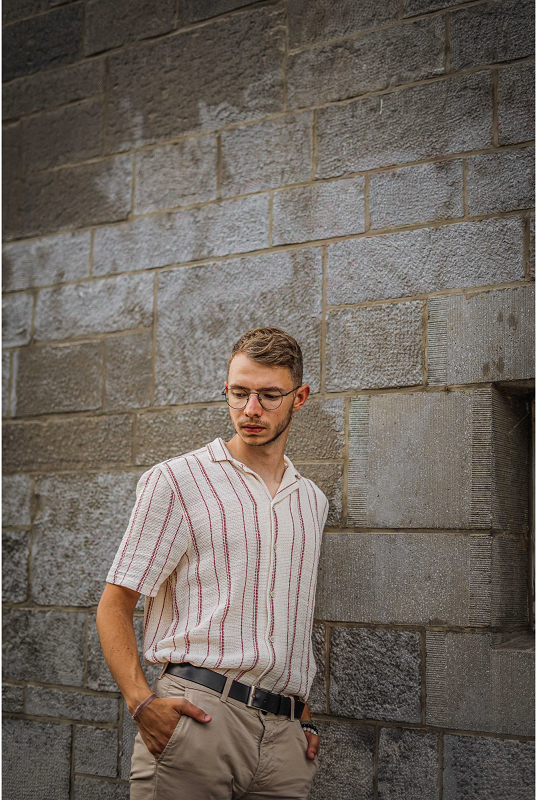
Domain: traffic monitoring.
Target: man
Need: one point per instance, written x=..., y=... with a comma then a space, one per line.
x=224, y=544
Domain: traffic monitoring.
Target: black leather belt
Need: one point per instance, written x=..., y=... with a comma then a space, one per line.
x=253, y=696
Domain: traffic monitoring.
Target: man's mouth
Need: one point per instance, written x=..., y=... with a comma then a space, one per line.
x=253, y=428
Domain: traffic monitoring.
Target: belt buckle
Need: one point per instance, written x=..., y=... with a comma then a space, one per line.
x=251, y=697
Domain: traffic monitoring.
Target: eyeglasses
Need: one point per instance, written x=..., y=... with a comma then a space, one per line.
x=268, y=399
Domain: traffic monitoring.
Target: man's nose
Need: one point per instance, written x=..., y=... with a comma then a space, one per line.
x=253, y=406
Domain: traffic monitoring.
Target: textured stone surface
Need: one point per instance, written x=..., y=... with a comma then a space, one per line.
x=489, y=336
x=99, y=676
x=317, y=431
x=202, y=312
x=163, y=434
x=329, y=478
x=501, y=181
x=374, y=61
x=416, y=194
x=16, y=9
x=412, y=7
x=55, y=379
x=402, y=264
x=345, y=762
x=16, y=497
x=12, y=698
x=318, y=211
x=75, y=196
x=317, y=695
x=516, y=100
x=471, y=685
x=375, y=674
x=374, y=347
x=310, y=23
x=15, y=552
x=488, y=769
x=6, y=375
x=108, y=25
x=176, y=174
x=16, y=319
x=408, y=765
x=44, y=746
x=96, y=751
x=235, y=226
x=193, y=10
x=225, y=72
x=532, y=246
x=77, y=531
x=128, y=371
x=10, y=168
x=363, y=135
x=88, y=789
x=40, y=262
x=501, y=30
x=44, y=645
x=72, y=705
x=266, y=155
x=103, y=306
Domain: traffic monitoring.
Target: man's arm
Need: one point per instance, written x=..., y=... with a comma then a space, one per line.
x=313, y=740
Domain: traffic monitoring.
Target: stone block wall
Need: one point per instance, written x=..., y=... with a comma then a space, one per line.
x=361, y=175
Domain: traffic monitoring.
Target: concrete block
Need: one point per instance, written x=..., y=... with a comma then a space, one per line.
x=223, y=73
x=501, y=181
x=488, y=769
x=99, y=676
x=408, y=765
x=68, y=444
x=77, y=531
x=317, y=695
x=17, y=312
x=6, y=377
x=371, y=62
x=163, y=434
x=10, y=171
x=486, y=337
x=345, y=762
x=516, y=101
x=411, y=7
x=233, y=226
x=13, y=10
x=12, y=698
x=41, y=262
x=266, y=155
x=318, y=211
x=129, y=731
x=317, y=431
x=47, y=40
x=96, y=751
x=45, y=702
x=532, y=246
x=55, y=379
x=392, y=128
x=44, y=645
x=104, y=306
x=501, y=30
x=309, y=24
x=16, y=499
x=176, y=174
x=128, y=371
x=15, y=554
x=62, y=136
x=329, y=478
x=287, y=291
x=416, y=194
x=374, y=347
x=44, y=746
x=426, y=260
x=75, y=196
x=375, y=674
x=194, y=11
x=90, y=789
x=108, y=25
x=473, y=686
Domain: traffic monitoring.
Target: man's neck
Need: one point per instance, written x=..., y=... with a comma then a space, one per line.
x=266, y=460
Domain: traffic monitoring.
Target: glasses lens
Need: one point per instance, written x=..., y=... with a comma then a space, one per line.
x=270, y=400
x=236, y=399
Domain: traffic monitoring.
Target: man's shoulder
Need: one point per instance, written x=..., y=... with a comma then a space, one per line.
x=181, y=465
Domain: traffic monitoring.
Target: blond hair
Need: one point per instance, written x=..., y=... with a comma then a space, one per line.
x=271, y=346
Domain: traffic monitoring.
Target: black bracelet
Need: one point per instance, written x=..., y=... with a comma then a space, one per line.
x=308, y=725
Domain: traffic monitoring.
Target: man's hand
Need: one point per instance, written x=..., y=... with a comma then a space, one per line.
x=313, y=740
x=157, y=721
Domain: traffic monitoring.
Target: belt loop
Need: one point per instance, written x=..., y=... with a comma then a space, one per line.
x=163, y=670
x=292, y=699
x=225, y=690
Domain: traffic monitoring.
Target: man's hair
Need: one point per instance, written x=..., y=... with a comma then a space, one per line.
x=271, y=346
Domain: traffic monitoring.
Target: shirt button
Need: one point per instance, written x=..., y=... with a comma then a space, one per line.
x=274, y=548
x=271, y=638
x=273, y=594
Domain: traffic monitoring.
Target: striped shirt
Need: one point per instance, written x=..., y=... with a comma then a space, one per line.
x=229, y=573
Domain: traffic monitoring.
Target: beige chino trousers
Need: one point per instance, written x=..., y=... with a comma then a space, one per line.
x=241, y=753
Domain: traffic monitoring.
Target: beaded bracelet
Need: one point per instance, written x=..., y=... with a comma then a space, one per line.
x=307, y=725
x=143, y=705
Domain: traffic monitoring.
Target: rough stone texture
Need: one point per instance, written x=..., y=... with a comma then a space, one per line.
x=62, y=136
x=72, y=705
x=416, y=194
x=108, y=25
x=487, y=337
x=96, y=751
x=235, y=226
x=365, y=134
x=44, y=645
x=266, y=155
x=318, y=211
x=176, y=175
x=55, y=379
x=48, y=40
x=36, y=758
x=6, y=373
x=163, y=434
x=317, y=431
x=501, y=181
x=408, y=765
x=103, y=306
x=98, y=442
x=99, y=677
x=375, y=674
x=420, y=261
x=194, y=10
x=16, y=498
x=317, y=695
x=10, y=168
x=374, y=347
x=16, y=319
x=224, y=72
x=412, y=7
x=516, y=99
x=15, y=552
x=345, y=762
x=501, y=30
x=128, y=371
x=128, y=733
x=202, y=311
x=77, y=531
x=39, y=262
x=12, y=698
x=532, y=246
x=75, y=196
x=488, y=769
x=13, y=10
x=88, y=789
x=374, y=61
x=311, y=23
x=329, y=478
x=472, y=686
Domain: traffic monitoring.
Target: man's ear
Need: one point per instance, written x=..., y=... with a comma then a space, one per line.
x=301, y=397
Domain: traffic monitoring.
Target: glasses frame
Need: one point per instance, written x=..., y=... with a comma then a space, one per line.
x=225, y=391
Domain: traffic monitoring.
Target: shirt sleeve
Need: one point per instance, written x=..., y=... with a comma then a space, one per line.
x=155, y=540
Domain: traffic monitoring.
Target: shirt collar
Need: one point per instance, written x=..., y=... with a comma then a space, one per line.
x=218, y=452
